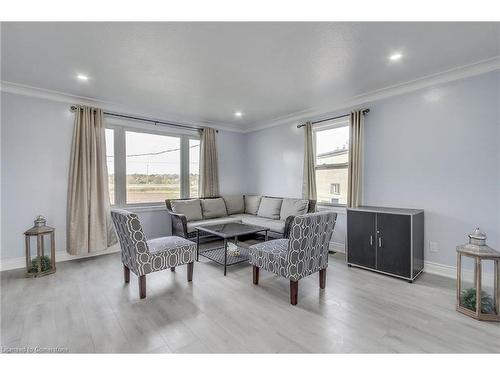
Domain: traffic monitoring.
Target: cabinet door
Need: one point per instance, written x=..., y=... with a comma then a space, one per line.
x=394, y=244
x=361, y=238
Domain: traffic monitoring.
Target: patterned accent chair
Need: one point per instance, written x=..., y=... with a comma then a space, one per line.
x=143, y=256
x=302, y=254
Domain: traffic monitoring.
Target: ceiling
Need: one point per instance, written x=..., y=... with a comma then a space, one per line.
x=204, y=72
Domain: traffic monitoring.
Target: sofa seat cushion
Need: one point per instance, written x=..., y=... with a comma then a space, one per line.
x=235, y=204
x=191, y=208
x=171, y=251
x=205, y=222
x=213, y=207
x=252, y=203
x=277, y=226
x=293, y=207
x=270, y=208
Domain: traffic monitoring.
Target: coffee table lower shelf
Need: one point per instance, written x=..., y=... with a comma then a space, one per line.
x=217, y=255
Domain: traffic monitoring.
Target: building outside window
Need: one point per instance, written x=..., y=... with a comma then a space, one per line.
x=332, y=156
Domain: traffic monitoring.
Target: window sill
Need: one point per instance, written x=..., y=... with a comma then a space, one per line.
x=330, y=207
x=141, y=208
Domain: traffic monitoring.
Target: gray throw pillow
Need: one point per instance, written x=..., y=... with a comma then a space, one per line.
x=213, y=207
x=270, y=208
x=191, y=208
x=252, y=203
x=235, y=204
x=293, y=207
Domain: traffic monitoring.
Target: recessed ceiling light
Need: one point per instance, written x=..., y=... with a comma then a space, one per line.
x=82, y=77
x=396, y=56
x=238, y=114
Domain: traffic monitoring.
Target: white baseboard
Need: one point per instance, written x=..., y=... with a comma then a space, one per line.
x=61, y=256
x=338, y=247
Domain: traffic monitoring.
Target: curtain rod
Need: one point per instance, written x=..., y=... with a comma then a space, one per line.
x=143, y=119
x=365, y=111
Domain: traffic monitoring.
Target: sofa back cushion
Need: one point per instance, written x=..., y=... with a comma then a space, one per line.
x=252, y=203
x=235, y=204
x=191, y=208
x=270, y=208
x=293, y=207
x=213, y=207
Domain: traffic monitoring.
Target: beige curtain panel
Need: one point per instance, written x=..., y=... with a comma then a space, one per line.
x=309, y=179
x=89, y=226
x=355, y=171
x=209, y=167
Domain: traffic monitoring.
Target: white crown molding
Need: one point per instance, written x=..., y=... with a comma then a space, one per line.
x=62, y=97
x=481, y=67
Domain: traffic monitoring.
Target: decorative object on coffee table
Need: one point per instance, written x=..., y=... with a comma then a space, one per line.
x=477, y=285
x=41, y=265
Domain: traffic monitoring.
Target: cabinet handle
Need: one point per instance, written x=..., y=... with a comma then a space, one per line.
x=380, y=242
x=371, y=240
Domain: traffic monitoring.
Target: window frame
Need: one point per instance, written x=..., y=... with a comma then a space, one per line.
x=120, y=161
x=327, y=125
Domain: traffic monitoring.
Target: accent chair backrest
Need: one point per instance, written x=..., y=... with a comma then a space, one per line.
x=308, y=243
x=131, y=236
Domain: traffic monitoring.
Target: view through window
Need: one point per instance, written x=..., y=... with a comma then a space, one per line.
x=153, y=164
x=332, y=155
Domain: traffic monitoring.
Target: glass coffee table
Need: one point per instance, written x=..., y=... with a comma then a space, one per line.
x=220, y=254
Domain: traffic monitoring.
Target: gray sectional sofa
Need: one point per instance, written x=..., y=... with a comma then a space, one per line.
x=272, y=212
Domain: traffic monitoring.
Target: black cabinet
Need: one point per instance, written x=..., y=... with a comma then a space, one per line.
x=387, y=240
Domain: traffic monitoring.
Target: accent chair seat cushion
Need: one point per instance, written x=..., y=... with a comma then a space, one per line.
x=191, y=208
x=271, y=256
x=270, y=208
x=170, y=251
x=213, y=207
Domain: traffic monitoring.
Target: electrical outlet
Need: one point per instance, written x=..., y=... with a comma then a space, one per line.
x=433, y=247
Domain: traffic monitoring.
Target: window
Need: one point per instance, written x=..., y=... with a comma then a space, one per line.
x=110, y=161
x=332, y=155
x=146, y=167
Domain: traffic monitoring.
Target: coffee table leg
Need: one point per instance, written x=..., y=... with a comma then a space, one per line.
x=225, y=255
x=197, y=244
x=266, y=236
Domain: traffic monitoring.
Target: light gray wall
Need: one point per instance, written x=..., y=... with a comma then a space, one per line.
x=436, y=149
x=35, y=147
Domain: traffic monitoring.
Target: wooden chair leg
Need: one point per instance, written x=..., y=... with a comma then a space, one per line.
x=142, y=286
x=322, y=278
x=294, y=292
x=126, y=273
x=256, y=275
x=172, y=269
x=190, y=267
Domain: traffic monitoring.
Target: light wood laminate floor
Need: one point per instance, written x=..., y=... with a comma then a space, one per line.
x=86, y=307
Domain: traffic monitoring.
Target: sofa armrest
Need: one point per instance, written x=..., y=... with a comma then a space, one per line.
x=288, y=226
x=179, y=224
